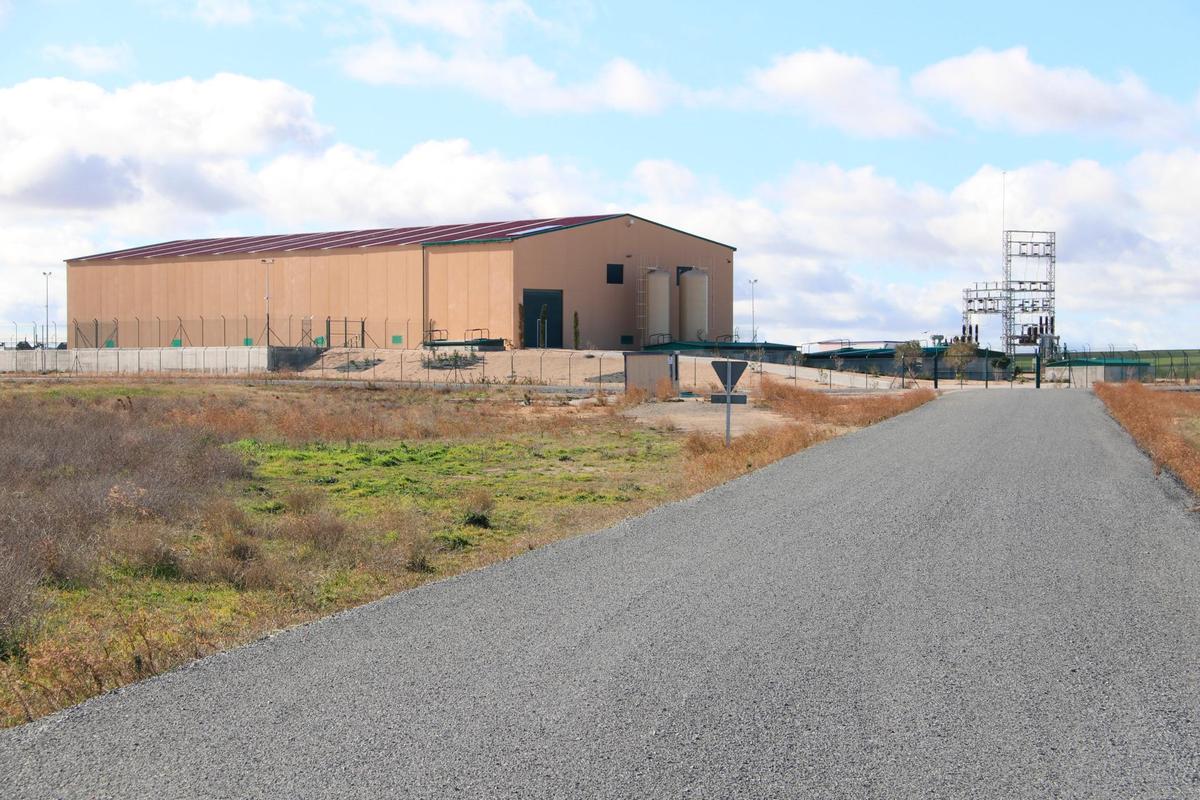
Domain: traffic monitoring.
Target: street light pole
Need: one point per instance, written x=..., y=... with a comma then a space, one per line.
x=46, y=332
x=753, y=318
x=267, y=299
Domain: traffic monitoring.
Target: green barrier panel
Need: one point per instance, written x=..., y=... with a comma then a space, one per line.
x=319, y=341
x=109, y=343
x=248, y=341
x=397, y=340
x=177, y=343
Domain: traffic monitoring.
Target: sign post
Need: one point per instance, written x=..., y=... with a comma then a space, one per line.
x=729, y=373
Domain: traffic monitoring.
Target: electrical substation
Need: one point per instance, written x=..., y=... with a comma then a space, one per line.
x=1024, y=299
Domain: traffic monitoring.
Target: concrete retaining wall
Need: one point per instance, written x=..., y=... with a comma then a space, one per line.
x=128, y=360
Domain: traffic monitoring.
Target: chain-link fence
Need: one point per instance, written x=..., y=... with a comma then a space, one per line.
x=33, y=335
x=243, y=331
x=1069, y=367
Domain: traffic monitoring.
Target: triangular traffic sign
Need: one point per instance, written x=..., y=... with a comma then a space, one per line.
x=729, y=372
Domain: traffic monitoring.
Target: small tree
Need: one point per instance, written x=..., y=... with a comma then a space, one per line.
x=959, y=355
x=575, y=329
x=908, y=356
x=520, y=324
x=542, y=331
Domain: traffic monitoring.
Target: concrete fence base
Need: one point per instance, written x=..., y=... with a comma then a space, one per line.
x=134, y=361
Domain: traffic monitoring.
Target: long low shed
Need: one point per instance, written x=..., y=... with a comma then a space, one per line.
x=531, y=282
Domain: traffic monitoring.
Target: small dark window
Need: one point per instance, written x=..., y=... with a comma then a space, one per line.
x=616, y=273
x=626, y=339
x=679, y=271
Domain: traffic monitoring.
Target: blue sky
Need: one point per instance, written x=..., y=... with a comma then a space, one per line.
x=852, y=151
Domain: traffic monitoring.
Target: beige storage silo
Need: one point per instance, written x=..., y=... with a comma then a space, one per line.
x=693, y=306
x=658, y=306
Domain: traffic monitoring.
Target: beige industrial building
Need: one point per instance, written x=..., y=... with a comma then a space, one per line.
x=632, y=282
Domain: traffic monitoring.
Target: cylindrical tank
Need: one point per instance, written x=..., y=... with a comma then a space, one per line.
x=658, y=306
x=693, y=306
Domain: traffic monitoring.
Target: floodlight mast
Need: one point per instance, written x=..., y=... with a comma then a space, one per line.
x=267, y=263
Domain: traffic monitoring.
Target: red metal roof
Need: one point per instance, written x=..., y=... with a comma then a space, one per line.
x=376, y=237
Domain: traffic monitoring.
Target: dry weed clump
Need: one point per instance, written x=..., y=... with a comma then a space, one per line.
x=147, y=547
x=818, y=415
x=1159, y=421
x=633, y=396
x=406, y=542
x=322, y=530
x=97, y=656
x=710, y=462
x=335, y=415
x=477, y=508
x=846, y=410
x=304, y=500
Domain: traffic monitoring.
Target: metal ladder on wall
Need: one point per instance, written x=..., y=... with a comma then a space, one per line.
x=640, y=308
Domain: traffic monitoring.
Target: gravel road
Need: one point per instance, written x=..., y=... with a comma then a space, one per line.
x=992, y=596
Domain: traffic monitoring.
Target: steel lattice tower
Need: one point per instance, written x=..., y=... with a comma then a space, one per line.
x=1024, y=299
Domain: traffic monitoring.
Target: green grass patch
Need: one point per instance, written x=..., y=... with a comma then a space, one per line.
x=526, y=473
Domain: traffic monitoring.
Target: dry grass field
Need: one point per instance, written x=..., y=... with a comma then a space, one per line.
x=145, y=524
x=1166, y=424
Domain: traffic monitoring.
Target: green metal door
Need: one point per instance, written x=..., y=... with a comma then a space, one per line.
x=543, y=318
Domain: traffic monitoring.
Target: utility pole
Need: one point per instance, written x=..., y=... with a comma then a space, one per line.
x=46, y=331
x=753, y=323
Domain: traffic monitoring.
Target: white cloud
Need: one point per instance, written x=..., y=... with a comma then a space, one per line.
x=849, y=253
x=1007, y=89
x=514, y=81
x=224, y=12
x=91, y=59
x=435, y=181
x=466, y=19
x=74, y=144
x=848, y=92
x=839, y=251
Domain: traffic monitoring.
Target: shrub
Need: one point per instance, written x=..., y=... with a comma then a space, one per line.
x=146, y=547
x=225, y=516
x=19, y=577
x=240, y=548
x=303, y=501
x=633, y=396
x=322, y=530
x=406, y=542
x=477, y=508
